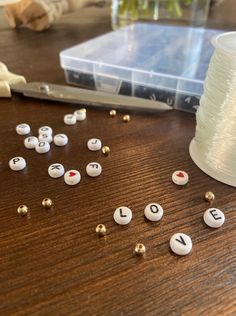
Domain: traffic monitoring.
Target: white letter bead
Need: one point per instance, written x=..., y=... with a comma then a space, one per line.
x=45, y=130
x=72, y=177
x=17, y=163
x=42, y=147
x=181, y=244
x=93, y=169
x=153, y=212
x=56, y=170
x=214, y=217
x=80, y=115
x=122, y=215
x=180, y=177
x=30, y=142
x=45, y=137
x=60, y=140
x=94, y=144
x=23, y=129
x=69, y=119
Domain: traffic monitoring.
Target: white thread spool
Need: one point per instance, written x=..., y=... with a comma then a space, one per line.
x=213, y=148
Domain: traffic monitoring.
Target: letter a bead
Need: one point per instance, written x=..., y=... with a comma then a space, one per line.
x=122, y=215
x=181, y=244
x=214, y=217
x=17, y=163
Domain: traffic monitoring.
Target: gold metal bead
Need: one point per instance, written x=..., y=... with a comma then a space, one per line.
x=106, y=150
x=101, y=230
x=126, y=118
x=112, y=113
x=47, y=203
x=22, y=210
x=83, y=110
x=140, y=249
x=209, y=196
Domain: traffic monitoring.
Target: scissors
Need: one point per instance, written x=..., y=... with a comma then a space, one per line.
x=13, y=83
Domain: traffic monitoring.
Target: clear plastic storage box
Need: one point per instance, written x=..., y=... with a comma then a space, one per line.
x=159, y=62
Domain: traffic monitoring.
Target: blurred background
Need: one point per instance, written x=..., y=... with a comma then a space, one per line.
x=212, y=13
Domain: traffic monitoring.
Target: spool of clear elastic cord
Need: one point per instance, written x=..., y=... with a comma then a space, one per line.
x=225, y=43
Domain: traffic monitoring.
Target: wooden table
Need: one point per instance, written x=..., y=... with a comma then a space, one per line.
x=52, y=262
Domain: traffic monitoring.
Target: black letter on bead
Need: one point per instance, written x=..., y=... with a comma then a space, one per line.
x=154, y=208
x=215, y=215
x=58, y=167
x=94, y=165
x=121, y=214
x=15, y=160
x=181, y=241
x=95, y=142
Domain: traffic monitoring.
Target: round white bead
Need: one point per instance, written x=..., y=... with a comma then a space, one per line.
x=181, y=244
x=60, y=140
x=17, y=163
x=180, y=177
x=45, y=138
x=30, y=142
x=42, y=147
x=45, y=130
x=153, y=212
x=56, y=170
x=23, y=129
x=69, y=119
x=72, y=177
x=94, y=144
x=122, y=215
x=214, y=217
x=94, y=169
x=80, y=115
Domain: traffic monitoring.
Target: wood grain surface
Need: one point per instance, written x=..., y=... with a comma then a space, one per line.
x=52, y=262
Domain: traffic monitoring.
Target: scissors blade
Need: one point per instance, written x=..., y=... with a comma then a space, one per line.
x=54, y=92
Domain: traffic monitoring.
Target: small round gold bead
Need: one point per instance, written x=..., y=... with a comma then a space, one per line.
x=126, y=118
x=101, y=230
x=106, y=150
x=83, y=110
x=112, y=113
x=47, y=203
x=22, y=210
x=209, y=196
x=140, y=249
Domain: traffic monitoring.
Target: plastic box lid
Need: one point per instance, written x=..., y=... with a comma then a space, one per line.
x=173, y=58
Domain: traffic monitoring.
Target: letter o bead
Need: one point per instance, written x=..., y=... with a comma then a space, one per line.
x=42, y=147
x=153, y=212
